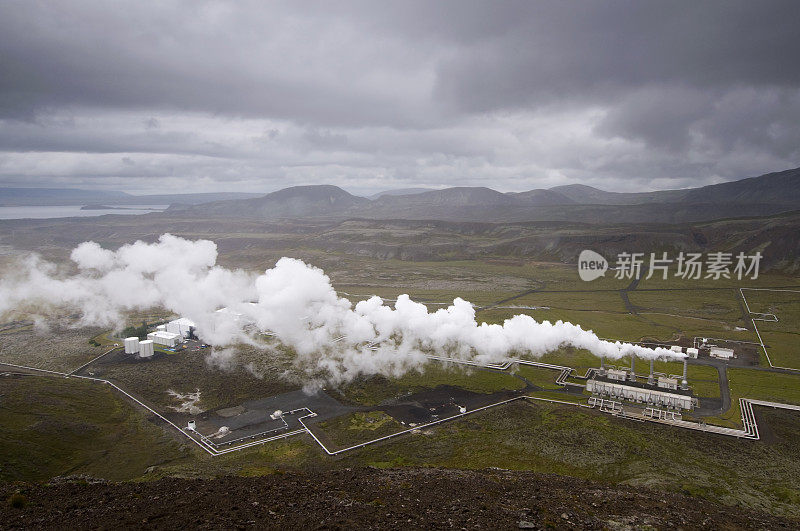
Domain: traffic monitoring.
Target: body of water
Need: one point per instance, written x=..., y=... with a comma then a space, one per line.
x=72, y=211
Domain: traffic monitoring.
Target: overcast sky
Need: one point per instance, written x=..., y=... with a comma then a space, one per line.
x=163, y=96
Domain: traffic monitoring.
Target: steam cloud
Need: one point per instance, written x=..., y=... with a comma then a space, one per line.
x=294, y=301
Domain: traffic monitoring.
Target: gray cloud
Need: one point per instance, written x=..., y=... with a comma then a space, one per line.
x=513, y=95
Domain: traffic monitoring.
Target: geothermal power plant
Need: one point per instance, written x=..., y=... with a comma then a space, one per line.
x=169, y=336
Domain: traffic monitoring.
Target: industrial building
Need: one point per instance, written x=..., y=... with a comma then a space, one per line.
x=722, y=353
x=166, y=339
x=616, y=374
x=640, y=394
x=146, y=348
x=676, y=348
x=667, y=383
x=692, y=352
x=183, y=327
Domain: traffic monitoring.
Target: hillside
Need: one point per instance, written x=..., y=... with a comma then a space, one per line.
x=777, y=236
x=543, y=197
x=779, y=188
x=773, y=188
x=400, y=191
x=459, y=196
x=588, y=195
x=294, y=202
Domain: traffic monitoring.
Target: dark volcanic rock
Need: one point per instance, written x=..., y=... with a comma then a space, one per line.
x=370, y=498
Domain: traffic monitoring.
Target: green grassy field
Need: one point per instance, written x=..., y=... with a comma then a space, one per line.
x=58, y=426
x=538, y=376
x=716, y=305
x=358, y=427
x=781, y=338
x=607, y=301
x=761, y=385
x=765, y=385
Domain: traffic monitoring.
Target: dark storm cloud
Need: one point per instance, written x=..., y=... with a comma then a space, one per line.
x=514, y=95
x=263, y=61
x=595, y=50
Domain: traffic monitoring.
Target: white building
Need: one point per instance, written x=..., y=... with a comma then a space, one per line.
x=146, y=348
x=668, y=383
x=182, y=326
x=722, y=353
x=167, y=339
x=131, y=345
x=692, y=352
x=676, y=348
x=616, y=374
x=636, y=394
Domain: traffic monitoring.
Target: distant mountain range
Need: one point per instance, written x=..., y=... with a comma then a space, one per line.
x=75, y=196
x=758, y=196
x=766, y=195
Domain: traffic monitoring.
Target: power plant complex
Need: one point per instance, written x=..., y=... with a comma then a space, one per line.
x=168, y=335
x=657, y=391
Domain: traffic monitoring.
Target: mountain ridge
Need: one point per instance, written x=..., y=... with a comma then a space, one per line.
x=768, y=194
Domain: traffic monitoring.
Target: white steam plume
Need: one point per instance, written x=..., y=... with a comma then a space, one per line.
x=295, y=302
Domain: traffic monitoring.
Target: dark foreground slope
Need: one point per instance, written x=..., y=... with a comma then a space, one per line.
x=371, y=498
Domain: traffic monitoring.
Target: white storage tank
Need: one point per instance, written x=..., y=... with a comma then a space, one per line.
x=146, y=348
x=692, y=352
x=131, y=345
x=151, y=336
